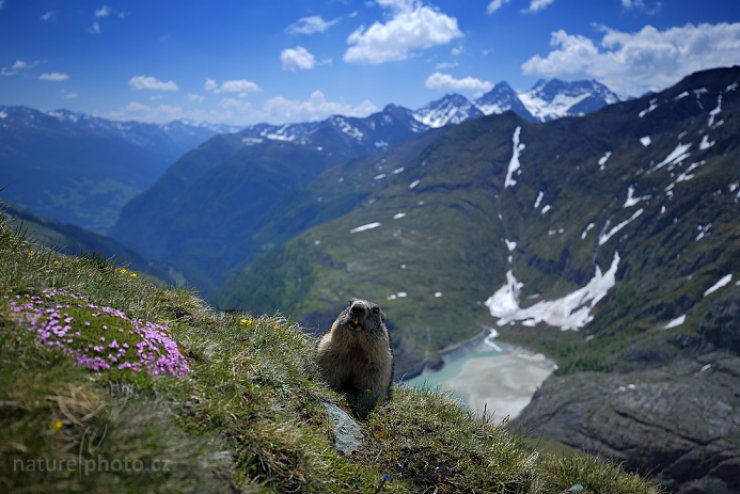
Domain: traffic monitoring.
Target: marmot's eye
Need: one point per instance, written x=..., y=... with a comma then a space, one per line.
x=376, y=309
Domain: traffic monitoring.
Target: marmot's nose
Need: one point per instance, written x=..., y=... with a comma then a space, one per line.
x=357, y=310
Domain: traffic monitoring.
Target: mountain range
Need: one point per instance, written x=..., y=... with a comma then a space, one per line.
x=211, y=211
x=610, y=242
x=82, y=169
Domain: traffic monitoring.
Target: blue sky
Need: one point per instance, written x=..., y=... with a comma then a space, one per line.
x=247, y=61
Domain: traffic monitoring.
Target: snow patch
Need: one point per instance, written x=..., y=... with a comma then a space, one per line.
x=3, y=115
x=558, y=107
x=414, y=184
x=675, y=322
x=514, y=162
x=362, y=228
x=347, y=129
x=437, y=294
x=703, y=231
x=589, y=227
x=570, y=312
x=398, y=170
x=251, y=141
x=676, y=156
x=381, y=144
x=705, y=144
x=379, y=176
x=686, y=175
x=724, y=281
x=604, y=237
x=492, y=335
x=605, y=158
x=681, y=96
x=546, y=209
x=510, y=245
x=539, y=199
x=653, y=106
x=398, y=216
x=731, y=87
x=631, y=199
x=646, y=141
x=716, y=111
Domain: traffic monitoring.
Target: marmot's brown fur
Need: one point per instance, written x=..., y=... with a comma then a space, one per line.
x=356, y=358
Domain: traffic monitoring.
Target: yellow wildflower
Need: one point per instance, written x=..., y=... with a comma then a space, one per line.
x=276, y=327
x=245, y=321
x=56, y=425
x=133, y=275
x=123, y=270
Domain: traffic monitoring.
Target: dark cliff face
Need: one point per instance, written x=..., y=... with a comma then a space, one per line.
x=677, y=423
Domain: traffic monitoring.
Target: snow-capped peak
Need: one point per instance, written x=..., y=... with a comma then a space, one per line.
x=450, y=109
x=500, y=99
x=550, y=99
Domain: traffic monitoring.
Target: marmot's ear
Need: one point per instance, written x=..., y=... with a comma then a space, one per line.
x=352, y=300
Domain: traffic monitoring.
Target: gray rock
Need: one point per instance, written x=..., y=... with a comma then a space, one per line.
x=347, y=433
x=678, y=423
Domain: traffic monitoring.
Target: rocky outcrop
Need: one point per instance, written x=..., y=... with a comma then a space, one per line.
x=678, y=423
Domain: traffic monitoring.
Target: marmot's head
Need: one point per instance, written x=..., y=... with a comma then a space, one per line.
x=361, y=315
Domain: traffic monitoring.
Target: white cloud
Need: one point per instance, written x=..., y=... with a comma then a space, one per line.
x=495, y=5
x=537, y=5
x=445, y=82
x=149, y=83
x=48, y=16
x=297, y=58
x=195, y=98
x=16, y=67
x=311, y=25
x=640, y=5
x=446, y=65
x=2, y=4
x=456, y=51
x=412, y=26
x=101, y=13
x=241, y=86
x=210, y=85
x=648, y=60
x=107, y=10
x=54, y=76
x=70, y=96
x=316, y=107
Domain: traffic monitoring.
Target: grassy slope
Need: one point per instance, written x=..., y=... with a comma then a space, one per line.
x=248, y=417
x=73, y=240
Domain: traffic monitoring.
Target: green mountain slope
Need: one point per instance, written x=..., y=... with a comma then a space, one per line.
x=203, y=212
x=622, y=224
x=233, y=406
x=80, y=169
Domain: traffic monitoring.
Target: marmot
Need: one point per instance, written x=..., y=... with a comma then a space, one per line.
x=356, y=357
